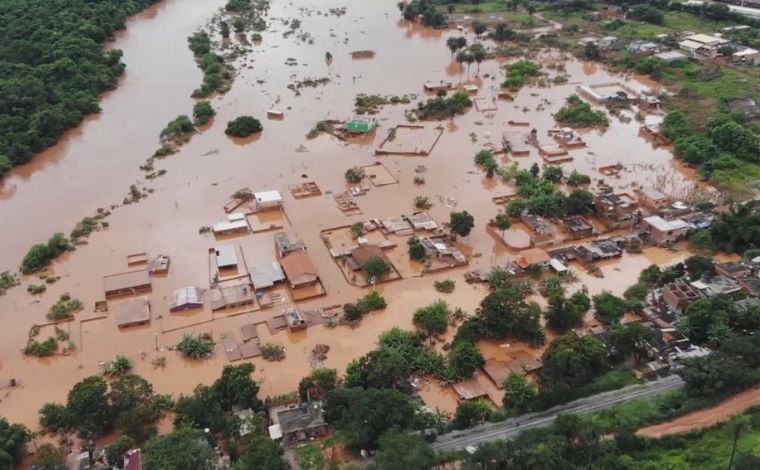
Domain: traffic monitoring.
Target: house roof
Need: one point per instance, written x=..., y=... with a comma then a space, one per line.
x=268, y=196
x=128, y=280
x=186, y=296
x=362, y=253
x=226, y=256
x=652, y=193
x=298, y=264
x=266, y=274
x=663, y=225
x=306, y=416
x=469, y=390
x=524, y=360
x=132, y=312
x=531, y=256
x=497, y=371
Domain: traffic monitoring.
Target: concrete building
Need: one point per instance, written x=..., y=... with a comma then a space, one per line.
x=616, y=210
x=132, y=312
x=678, y=295
x=578, y=227
x=663, y=232
x=702, y=45
x=299, y=269
x=128, y=283
x=297, y=422
x=268, y=200
x=532, y=257
x=186, y=298
x=226, y=257
x=733, y=270
x=284, y=246
x=652, y=198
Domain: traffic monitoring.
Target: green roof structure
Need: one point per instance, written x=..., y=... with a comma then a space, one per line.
x=361, y=125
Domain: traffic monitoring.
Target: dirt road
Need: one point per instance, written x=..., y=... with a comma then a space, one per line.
x=705, y=418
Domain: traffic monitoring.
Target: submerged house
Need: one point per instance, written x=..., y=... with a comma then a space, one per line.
x=361, y=125
x=297, y=422
x=299, y=269
x=616, y=210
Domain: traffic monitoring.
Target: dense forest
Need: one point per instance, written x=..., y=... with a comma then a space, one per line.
x=53, y=68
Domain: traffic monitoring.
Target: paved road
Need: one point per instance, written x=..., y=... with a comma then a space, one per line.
x=489, y=432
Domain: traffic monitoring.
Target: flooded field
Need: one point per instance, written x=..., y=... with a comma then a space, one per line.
x=95, y=164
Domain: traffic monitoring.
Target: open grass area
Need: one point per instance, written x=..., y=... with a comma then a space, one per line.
x=310, y=457
x=612, y=380
x=738, y=181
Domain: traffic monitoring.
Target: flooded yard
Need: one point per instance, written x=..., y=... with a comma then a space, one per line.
x=94, y=165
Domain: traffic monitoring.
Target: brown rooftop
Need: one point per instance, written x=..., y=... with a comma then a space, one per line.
x=497, y=371
x=469, y=390
x=531, y=256
x=362, y=253
x=524, y=360
x=299, y=268
x=132, y=312
x=128, y=283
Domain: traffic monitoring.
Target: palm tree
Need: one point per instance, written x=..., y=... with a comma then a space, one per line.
x=738, y=425
x=478, y=53
x=502, y=222
x=469, y=59
x=460, y=58
x=453, y=44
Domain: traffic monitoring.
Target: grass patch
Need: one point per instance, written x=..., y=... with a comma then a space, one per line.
x=738, y=181
x=310, y=457
x=612, y=380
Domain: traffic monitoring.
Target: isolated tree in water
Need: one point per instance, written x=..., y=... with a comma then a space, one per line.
x=461, y=223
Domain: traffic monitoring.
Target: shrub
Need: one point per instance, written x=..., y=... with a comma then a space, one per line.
x=243, y=126
x=578, y=113
x=40, y=255
x=422, y=202
x=273, y=352
x=354, y=175
x=36, y=289
x=372, y=301
x=446, y=286
x=376, y=267
x=45, y=348
x=64, y=308
x=203, y=112
x=180, y=127
x=196, y=346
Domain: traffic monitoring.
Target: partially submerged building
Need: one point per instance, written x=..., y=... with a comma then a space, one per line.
x=268, y=200
x=132, y=312
x=266, y=275
x=128, y=283
x=469, y=390
x=235, y=223
x=360, y=125
x=299, y=270
x=663, y=232
x=652, y=198
x=702, y=46
x=540, y=234
x=678, y=295
x=297, y=422
x=226, y=257
x=186, y=298
x=616, y=210
x=597, y=250
x=294, y=319
x=361, y=254
x=716, y=285
x=578, y=226
x=436, y=247
x=532, y=257
x=733, y=270
x=284, y=246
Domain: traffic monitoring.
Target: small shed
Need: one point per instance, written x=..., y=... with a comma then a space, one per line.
x=133, y=312
x=266, y=200
x=128, y=283
x=361, y=125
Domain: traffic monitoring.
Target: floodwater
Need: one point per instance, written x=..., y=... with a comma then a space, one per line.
x=94, y=165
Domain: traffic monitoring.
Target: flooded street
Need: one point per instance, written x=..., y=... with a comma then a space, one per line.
x=95, y=164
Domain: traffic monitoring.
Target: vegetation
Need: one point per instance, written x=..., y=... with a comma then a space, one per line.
x=442, y=107
x=375, y=267
x=416, y=249
x=179, y=130
x=464, y=359
x=41, y=349
x=41, y=255
x=461, y=223
x=518, y=74
x=485, y=159
x=273, y=351
x=433, y=319
x=564, y=313
x=64, y=308
x=196, y=346
x=184, y=447
x=243, y=126
x=370, y=302
x=446, y=286
x=519, y=393
x=54, y=68
x=202, y=113
x=355, y=175
x=422, y=202
x=578, y=113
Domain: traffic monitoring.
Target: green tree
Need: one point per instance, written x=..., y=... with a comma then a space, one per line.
x=121, y=365
x=5, y=165
x=182, y=448
x=699, y=267
x=695, y=149
x=416, y=249
x=236, y=389
x=505, y=313
x=202, y=113
x=464, y=359
x=262, y=453
x=321, y=379
x=433, y=319
x=200, y=410
x=363, y=415
x=54, y=417
x=675, y=125
x=553, y=173
x=609, y=308
x=737, y=139
x=563, y=314
x=461, y=223
x=502, y=222
x=403, y=451
x=49, y=457
x=519, y=393
x=478, y=27
x=89, y=410
x=13, y=440
x=715, y=375
x=243, y=126
x=630, y=340
x=470, y=413
x=376, y=267
x=579, y=202
x=572, y=361
x=516, y=207
x=196, y=346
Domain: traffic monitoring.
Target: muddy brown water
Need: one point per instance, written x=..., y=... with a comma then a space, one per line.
x=94, y=165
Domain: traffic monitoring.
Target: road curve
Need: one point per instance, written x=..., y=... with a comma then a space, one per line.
x=490, y=432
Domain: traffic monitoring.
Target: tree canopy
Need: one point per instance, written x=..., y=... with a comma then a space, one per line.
x=54, y=67
x=182, y=448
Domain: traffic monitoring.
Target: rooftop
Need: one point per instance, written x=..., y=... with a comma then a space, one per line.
x=226, y=256
x=285, y=245
x=266, y=274
x=132, y=312
x=663, y=225
x=268, y=196
x=469, y=390
x=305, y=416
x=531, y=257
x=298, y=264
